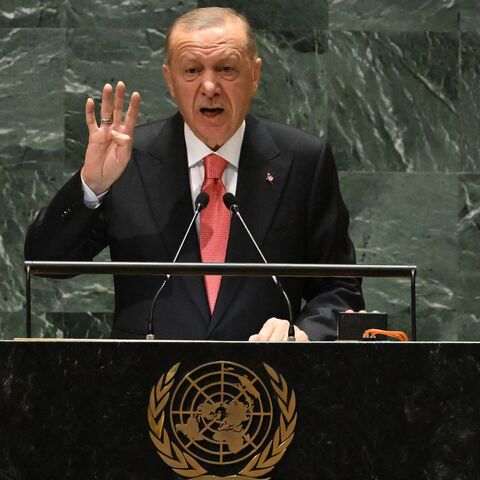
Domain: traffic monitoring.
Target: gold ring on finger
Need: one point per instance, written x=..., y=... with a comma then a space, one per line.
x=106, y=121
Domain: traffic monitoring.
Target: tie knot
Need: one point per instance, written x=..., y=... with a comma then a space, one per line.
x=214, y=166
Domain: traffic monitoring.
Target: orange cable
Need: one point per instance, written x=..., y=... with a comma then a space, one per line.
x=373, y=332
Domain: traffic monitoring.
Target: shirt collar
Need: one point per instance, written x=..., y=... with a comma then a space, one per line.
x=230, y=150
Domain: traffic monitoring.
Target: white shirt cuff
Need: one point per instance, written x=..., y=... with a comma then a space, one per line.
x=90, y=199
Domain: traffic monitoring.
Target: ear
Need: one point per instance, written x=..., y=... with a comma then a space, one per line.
x=167, y=75
x=257, y=67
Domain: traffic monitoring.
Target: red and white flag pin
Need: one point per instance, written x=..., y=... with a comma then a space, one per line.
x=269, y=177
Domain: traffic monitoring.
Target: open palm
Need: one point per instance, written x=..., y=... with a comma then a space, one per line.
x=109, y=142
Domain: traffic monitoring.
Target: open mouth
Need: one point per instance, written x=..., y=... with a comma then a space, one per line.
x=211, y=112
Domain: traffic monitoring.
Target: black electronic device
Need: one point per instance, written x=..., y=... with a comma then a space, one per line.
x=352, y=325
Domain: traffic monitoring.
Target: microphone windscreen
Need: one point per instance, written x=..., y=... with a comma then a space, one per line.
x=229, y=200
x=202, y=200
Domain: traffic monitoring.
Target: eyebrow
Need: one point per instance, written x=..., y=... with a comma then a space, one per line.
x=188, y=56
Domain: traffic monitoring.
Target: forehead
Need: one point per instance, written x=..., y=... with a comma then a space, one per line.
x=229, y=38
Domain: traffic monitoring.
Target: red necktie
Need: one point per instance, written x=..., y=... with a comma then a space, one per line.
x=214, y=223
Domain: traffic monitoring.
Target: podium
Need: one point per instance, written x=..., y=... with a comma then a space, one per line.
x=173, y=410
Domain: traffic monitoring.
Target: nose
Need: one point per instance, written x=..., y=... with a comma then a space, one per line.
x=210, y=85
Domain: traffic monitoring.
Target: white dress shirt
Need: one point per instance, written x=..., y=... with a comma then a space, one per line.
x=196, y=151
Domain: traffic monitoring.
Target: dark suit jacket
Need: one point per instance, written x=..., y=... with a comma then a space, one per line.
x=300, y=217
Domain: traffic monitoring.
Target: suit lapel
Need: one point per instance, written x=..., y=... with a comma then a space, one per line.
x=166, y=181
x=257, y=198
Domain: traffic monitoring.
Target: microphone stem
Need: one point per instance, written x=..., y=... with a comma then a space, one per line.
x=198, y=207
x=291, y=327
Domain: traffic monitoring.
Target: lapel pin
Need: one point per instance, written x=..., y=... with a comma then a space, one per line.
x=269, y=178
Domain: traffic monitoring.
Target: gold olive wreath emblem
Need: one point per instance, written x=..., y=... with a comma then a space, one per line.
x=228, y=416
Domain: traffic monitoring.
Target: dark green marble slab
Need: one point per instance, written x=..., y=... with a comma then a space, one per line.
x=80, y=324
x=33, y=13
x=278, y=14
x=394, y=101
x=12, y=325
x=396, y=15
x=31, y=83
x=128, y=14
x=408, y=219
x=470, y=103
x=469, y=258
x=293, y=86
x=95, y=59
x=470, y=15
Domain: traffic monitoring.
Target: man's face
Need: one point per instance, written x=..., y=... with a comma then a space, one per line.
x=213, y=79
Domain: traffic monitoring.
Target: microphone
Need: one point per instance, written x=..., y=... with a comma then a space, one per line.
x=200, y=203
x=231, y=203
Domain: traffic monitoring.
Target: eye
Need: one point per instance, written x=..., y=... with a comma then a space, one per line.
x=227, y=69
x=192, y=71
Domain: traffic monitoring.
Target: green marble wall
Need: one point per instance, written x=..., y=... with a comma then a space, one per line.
x=394, y=83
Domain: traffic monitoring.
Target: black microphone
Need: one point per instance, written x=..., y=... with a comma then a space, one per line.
x=231, y=203
x=200, y=203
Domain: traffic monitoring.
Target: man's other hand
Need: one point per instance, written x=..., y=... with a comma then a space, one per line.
x=276, y=330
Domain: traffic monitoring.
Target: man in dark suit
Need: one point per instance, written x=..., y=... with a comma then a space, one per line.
x=136, y=190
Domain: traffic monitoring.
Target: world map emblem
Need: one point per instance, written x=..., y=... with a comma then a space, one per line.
x=222, y=420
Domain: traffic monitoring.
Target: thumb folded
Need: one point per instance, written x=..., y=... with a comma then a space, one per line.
x=121, y=139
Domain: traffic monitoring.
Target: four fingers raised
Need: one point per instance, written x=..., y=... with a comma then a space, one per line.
x=111, y=109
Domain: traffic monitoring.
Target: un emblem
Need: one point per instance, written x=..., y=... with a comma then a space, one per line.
x=220, y=418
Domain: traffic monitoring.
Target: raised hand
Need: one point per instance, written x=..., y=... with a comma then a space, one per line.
x=109, y=142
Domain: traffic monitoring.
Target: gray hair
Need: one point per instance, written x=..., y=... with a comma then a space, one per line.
x=207, y=17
